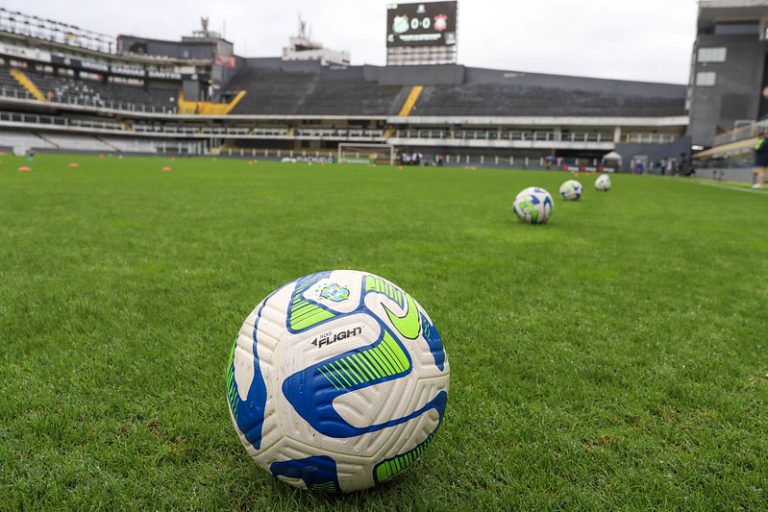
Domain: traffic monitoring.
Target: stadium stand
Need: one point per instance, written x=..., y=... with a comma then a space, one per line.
x=23, y=141
x=292, y=89
x=90, y=92
x=301, y=89
x=525, y=98
x=7, y=82
x=130, y=145
x=77, y=142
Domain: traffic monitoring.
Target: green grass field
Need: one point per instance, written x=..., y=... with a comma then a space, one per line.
x=615, y=359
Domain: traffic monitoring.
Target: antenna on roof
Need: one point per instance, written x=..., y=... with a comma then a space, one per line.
x=303, y=28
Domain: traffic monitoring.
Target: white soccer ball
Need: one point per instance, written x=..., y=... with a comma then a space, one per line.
x=531, y=190
x=337, y=381
x=534, y=206
x=603, y=183
x=571, y=190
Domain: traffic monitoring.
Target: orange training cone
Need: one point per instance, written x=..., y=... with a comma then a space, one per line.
x=167, y=168
x=24, y=168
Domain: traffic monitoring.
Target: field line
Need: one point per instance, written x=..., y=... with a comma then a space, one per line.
x=729, y=187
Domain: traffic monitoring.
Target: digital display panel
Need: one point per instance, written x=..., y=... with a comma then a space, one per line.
x=422, y=24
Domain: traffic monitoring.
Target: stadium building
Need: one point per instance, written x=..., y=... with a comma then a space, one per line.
x=63, y=88
x=729, y=76
x=729, y=86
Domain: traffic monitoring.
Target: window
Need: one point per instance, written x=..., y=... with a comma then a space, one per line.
x=706, y=79
x=738, y=28
x=712, y=54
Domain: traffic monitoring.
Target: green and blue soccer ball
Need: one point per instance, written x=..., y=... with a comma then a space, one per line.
x=571, y=190
x=534, y=206
x=337, y=381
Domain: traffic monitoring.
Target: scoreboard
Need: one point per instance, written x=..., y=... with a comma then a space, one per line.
x=422, y=24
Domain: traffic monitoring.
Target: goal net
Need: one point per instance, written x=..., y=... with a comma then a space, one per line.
x=381, y=154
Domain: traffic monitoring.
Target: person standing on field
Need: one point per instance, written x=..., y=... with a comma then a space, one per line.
x=761, y=160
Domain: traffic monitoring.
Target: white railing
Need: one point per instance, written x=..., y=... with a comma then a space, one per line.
x=742, y=133
x=504, y=135
x=38, y=121
x=269, y=132
x=52, y=121
x=15, y=93
x=339, y=133
x=649, y=138
x=123, y=106
x=191, y=130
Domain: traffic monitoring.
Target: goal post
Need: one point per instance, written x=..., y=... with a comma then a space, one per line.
x=382, y=154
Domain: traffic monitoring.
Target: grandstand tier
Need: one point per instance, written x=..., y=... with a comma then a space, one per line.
x=286, y=88
x=80, y=91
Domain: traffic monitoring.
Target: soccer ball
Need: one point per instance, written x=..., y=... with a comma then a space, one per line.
x=531, y=190
x=337, y=381
x=603, y=183
x=534, y=206
x=571, y=190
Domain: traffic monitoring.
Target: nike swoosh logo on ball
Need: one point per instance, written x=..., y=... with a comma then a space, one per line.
x=409, y=325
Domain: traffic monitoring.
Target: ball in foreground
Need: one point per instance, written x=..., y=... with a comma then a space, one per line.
x=603, y=183
x=337, y=381
x=534, y=206
x=571, y=190
x=531, y=190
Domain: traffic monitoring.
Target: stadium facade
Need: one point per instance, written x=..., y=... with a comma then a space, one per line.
x=63, y=88
x=729, y=76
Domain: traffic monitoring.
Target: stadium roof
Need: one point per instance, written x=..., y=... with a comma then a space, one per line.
x=731, y=10
x=728, y=4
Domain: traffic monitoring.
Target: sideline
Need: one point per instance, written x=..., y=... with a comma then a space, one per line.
x=714, y=184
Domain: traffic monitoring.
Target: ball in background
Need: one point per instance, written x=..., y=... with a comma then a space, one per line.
x=603, y=183
x=337, y=381
x=534, y=206
x=571, y=190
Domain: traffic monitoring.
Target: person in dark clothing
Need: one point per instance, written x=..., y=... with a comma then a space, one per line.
x=761, y=160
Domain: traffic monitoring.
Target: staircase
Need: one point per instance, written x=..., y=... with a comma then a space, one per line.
x=410, y=102
x=109, y=144
x=406, y=109
x=47, y=140
x=27, y=84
